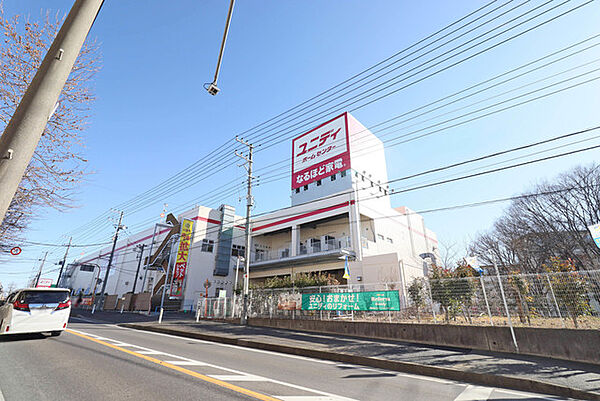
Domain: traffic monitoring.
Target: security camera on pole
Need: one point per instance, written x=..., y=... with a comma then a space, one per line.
x=249, y=204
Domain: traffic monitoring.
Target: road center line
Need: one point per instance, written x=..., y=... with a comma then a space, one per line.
x=208, y=379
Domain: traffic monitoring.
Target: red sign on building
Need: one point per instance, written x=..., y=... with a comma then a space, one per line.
x=321, y=152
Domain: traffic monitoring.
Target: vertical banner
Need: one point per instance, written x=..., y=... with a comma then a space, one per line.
x=183, y=255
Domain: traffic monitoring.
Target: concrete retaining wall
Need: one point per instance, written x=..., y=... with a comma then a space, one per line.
x=110, y=302
x=141, y=302
x=573, y=345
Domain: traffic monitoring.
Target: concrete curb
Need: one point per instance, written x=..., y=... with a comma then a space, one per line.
x=486, y=379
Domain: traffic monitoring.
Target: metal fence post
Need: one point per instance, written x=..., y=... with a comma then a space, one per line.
x=555, y=303
x=321, y=310
x=512, y=330
x=431, y=300
x=389, y=311
x=487, y=305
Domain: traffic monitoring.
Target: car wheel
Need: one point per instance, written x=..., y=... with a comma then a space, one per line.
x=55, y=333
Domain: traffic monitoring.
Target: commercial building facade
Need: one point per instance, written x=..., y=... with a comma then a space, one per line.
x=341, y=213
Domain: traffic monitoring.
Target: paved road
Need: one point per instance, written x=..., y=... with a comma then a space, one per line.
x=105, y=362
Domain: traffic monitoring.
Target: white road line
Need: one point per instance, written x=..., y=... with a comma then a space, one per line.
x=187, y=363
x=1, y=395
x=240, y=373
x=239, y=378
x=150, y=352
x=474, y=393
x=119, y=344
x=259, y=351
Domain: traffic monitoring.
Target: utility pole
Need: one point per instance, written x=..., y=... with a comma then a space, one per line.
x=249, y=204
x=23, y=132
x=112, y=254
x=62, y=266
x=37, y=277
x=141, y=250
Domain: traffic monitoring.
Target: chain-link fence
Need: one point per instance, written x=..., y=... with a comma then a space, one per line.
x=538, y=300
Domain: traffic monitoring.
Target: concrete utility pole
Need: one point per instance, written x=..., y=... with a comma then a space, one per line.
x=137, y=272
x=37, y=277
x=112, y=254
x=62, y=266
x=23, y=132
x=249, y=204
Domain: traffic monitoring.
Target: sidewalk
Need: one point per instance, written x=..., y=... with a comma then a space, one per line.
x=525, y=373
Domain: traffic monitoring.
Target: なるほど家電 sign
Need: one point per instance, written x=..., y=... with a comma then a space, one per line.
x=321, y=152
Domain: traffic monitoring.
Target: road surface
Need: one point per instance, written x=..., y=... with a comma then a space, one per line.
x=93, y=361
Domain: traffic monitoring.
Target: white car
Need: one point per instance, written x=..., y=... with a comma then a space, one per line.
x=35, y=310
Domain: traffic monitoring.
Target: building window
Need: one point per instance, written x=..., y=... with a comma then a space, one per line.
x=297, y=190
x=380, y=237
x=260, y=255
x=306, y=187
x=333, y=177
x=343, y=173
x=319, y=182
x=207, y=245
x=86, y=268
x=238, y=250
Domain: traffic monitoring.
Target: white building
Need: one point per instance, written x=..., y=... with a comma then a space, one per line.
x=340, y=208
x=217, y=239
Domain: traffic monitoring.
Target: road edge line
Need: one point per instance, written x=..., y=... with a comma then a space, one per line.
x=233, y=387
x=486, y=379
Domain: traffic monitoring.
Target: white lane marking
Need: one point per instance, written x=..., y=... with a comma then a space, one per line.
x=259, y=351
x=1, y=395
x=240, y=373
x=474, y=393
x=239, y=378
x=83, y=319
x=360, y=367
x=188, y=363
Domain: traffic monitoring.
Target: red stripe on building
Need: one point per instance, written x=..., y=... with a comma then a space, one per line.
x=301, y=216
x=207, y=220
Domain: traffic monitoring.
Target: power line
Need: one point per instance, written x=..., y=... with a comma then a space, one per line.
x=158, y=195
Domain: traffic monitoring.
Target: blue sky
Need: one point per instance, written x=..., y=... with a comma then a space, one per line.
x=153, y=118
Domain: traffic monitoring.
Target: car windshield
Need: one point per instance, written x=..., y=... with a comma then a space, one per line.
x=44, y=297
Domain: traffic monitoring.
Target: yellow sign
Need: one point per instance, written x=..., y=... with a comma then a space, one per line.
x=183, y=255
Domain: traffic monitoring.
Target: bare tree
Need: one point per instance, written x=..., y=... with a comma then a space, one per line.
x=550, y=221
x=58, y=165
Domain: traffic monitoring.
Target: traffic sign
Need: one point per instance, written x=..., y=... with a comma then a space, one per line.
x=15, y=251
x=44, y=282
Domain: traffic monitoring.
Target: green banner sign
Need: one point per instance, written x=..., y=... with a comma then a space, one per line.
x=360, y=301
